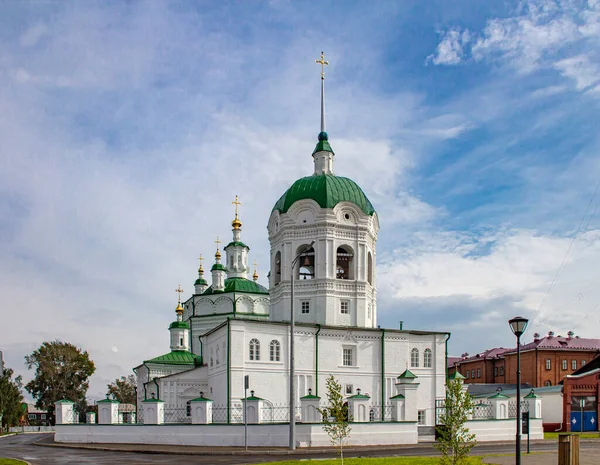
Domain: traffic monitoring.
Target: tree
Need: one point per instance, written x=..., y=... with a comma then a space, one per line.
x=10, y=399
x=454, y=440
x=62, y=371
x=124, y=389
x=335, y=416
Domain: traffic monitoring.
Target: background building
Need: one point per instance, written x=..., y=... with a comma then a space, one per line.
x=544, y=362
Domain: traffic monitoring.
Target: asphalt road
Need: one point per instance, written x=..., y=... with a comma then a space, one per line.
x=22, y=447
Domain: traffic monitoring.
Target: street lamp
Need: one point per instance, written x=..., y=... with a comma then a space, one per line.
x=518, y=325
x=292, y=329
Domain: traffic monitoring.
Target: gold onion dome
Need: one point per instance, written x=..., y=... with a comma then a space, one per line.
x=236, y=223
x=218, y=254
x=179, y=309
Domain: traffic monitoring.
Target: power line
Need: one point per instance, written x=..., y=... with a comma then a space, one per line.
x=571, y=248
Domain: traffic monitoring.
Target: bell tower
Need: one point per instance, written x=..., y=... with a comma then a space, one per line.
x=327, y=228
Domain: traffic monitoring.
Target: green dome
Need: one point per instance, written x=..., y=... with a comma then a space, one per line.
x=179, y=325
x=327, y=190
x=240, y=285
x=200, y=281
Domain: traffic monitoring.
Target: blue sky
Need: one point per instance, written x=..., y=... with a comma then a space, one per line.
x=127, y=128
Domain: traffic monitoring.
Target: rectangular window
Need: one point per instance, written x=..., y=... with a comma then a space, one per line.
x=473, y=374
x=305, y=304
x=582, y=362
x=31, y=416
x=467, y=374
x=501, y=371
x=574, y=364
x=495, y=371
x=479, y=372
x=348, y=356
x=43, y=416
x=348, y=389
x=344, y=307
x=421, y=417
x=564, y=364
x=548, y=364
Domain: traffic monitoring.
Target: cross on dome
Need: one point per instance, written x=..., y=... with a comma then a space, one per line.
x=236, y=223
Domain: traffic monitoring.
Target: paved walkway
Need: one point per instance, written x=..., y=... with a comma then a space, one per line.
x=586, y=457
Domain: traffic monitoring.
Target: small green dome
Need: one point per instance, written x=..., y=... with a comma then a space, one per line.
x=179, y=325
x=218, y=266
x=327, y=190
x=323, y=136
x=200, y=282
x=240, y=285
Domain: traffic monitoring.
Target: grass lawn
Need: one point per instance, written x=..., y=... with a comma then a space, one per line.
x=375, y=461
x=590, y=435
x=10, y=462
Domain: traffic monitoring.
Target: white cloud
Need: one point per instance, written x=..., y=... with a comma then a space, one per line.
x=580, y=70
x=450, y=51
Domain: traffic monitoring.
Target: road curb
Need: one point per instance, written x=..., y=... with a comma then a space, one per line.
x=139, y=449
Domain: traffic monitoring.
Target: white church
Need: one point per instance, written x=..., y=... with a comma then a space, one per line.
x=323, y=248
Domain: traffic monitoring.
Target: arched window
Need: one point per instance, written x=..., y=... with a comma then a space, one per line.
x=371, y=415
x=277, y=268
x=370, y=269
x=306, y=268
x=427, y=358
x=414, y=357
x=274, y=351
x=211, y=357
x=548, y=383
x=217, y=355
x=343, y=268
x=254, y=349
x=188, y=408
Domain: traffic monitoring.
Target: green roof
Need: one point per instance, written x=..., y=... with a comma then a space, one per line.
x=327, y=190
x=456, y=375
x=310, y=396
x=323, y=144
x=177, y=357
x=240, y=285
x=218, y=266
x=64, y=401
x=531, y=395
x=407, y=374
x=179, y=324
x=236, y=244
x=201, y=399
x=253, y=398
x=108, y=401
x=359, y=396
x=200, y=281
x=397, y=396
x=498, y=396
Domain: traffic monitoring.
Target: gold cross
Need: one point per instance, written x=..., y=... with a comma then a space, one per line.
x=322, y=62
x=255, y=264
x=237, y=203
x=179, y=291
x=217, y=242
x=201, y=259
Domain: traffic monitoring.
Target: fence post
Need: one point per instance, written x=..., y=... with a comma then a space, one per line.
x=568, y=449
x=499, y=406
x=64, y=412
x=358, y=406
x=108, y=411
x=534, y=403
x=308, y=408
x=397, y=407
x=201, y=410
x=254, y=408
x=407, y=386
x=154, y=411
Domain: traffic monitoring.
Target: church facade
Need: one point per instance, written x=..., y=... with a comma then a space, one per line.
x=323, y=243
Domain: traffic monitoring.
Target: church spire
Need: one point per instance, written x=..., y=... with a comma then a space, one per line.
x=237, y=251
x=323, y=63
x=179, y=309
x=200, y=285
x=323, y=153
x=255, y=275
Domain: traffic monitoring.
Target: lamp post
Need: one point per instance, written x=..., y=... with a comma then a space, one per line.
x=292, y=329
x=518, y=325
